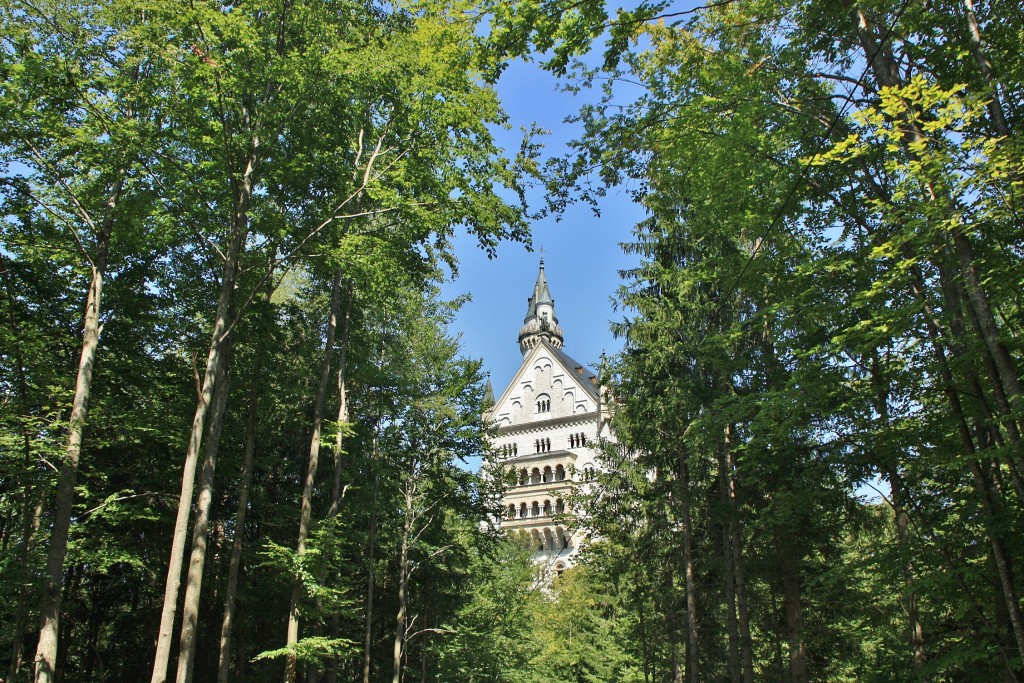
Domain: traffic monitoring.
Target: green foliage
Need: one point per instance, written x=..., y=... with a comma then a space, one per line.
x=312, y=650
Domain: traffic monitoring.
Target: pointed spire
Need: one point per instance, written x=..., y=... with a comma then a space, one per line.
x=488, y=392
x=540, y=321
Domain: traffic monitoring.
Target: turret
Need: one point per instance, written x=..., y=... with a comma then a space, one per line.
x=540, y=321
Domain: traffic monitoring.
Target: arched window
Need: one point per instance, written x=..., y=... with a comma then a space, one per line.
x=535, y=509
x=547, y=508
x=559, y=569
x=589, y=474
x=511, y=511
x=559, y=507
x=543, y=403
x=523, y=477
x=583, y=439
x=559, y=473
x=535, y=476
x=522, y=511
x=546, y=476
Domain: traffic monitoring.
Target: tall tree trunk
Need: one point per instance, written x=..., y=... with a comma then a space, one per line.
x=403, y=584
x=887, y=73
x=791, y=604
x=214, y=359
x=200, y=530
x=995, y=105
x=343, y=416
x=692, y=624
x=728, y=562
x=742, y=604
x=999, y=555
x=899, y=510
x=314, y=460
x=235, y=561
x=371, y=577
x=339, y=460
x=46, y=650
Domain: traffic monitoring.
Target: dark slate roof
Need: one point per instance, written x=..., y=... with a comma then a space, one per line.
x=588, y=378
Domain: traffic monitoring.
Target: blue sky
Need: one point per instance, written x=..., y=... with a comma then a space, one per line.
x=582, y=256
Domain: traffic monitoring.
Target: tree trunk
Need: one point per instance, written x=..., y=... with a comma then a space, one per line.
x=999, y=555
x=887, y=73
x=339, y=460
x=235, y=561
x=995, y=105
x=200, y=530
x=692, y=626
x=403, y=584
x=791, y=604
x=743, y=616
x=899, y=510
x=214, y=359
x=314, y=460
x=343, y=416
x=728, y=562
x=370, y=573
x=46, y=650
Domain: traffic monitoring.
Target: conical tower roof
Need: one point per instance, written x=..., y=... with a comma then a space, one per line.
x=488, y=392
x=540, y=321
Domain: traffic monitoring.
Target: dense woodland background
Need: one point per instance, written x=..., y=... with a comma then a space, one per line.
x=233, y=414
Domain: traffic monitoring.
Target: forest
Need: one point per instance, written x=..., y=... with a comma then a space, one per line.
x=235, y=416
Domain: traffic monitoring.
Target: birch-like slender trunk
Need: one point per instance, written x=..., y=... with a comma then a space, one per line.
x=343, y=416
x=200, y=530
x=339, y=460
x=235, y=560
x=46, y=649
x=214, y=359
x=306, y=511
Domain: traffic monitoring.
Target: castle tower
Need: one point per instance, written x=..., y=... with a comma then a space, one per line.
x=540, y=322
x=549, y=420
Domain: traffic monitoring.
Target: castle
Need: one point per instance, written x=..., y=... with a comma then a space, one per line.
x=549, y=422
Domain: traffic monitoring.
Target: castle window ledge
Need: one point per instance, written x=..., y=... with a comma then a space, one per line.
x=555, y=455
x=527, y=521
x=564, y=483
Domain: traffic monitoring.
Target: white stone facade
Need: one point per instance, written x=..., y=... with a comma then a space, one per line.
x=549, y=421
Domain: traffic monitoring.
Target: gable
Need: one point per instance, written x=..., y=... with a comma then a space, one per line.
x=548, y=385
